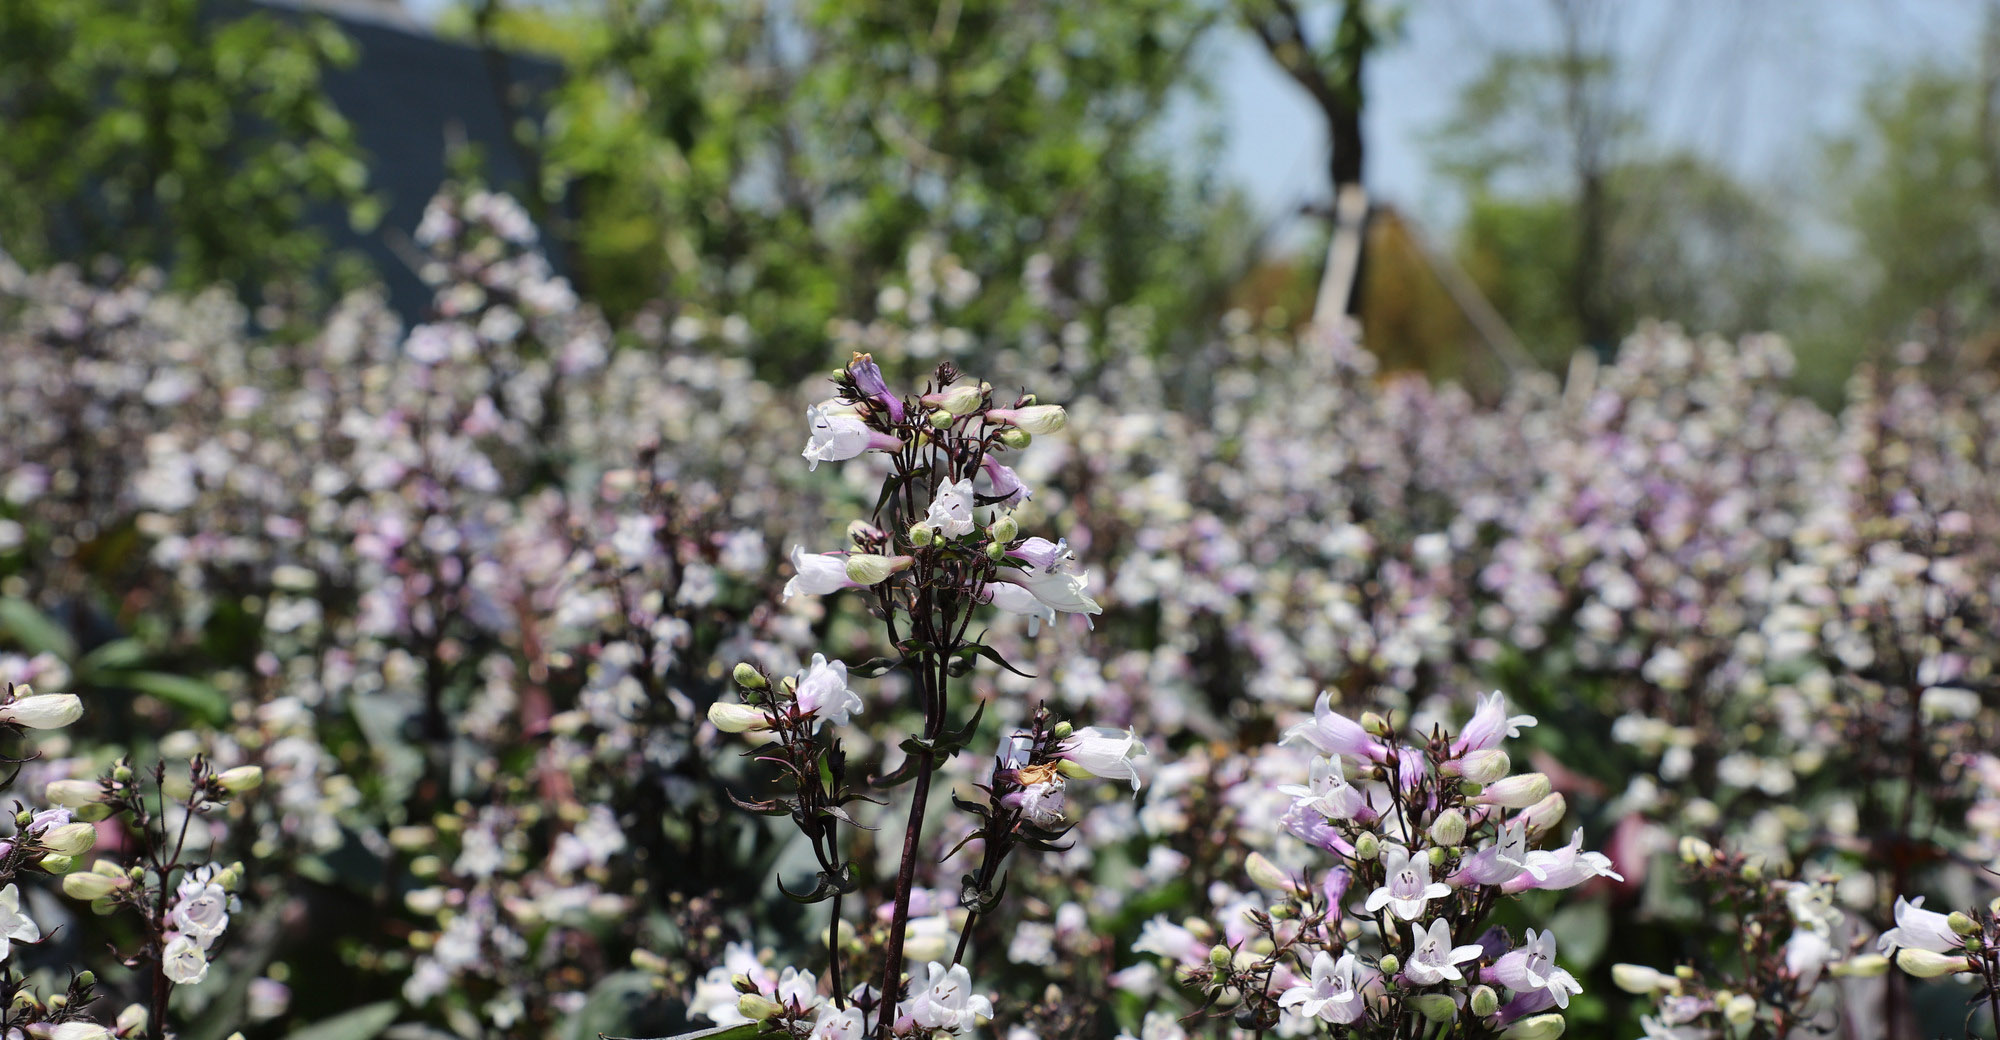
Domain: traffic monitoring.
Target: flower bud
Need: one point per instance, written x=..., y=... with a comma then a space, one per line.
x=1035, y=419
x=241, y=779
x=1005, y=529
x=756, y=1008
x=1535, y=1027
x=132, y=1020
x=742, y=983
x=1367, y=846
x=1220, y=956
x=748, y=677
x=921, y=535
x=1961, y=922
x=122, y=772
x=1015, y=438
x=24, y=818
x=1435, y=1006
x=996, y=551
x=1696, y=852
x=1544, y=814
x=1484, y=766
x=70, y=839
x=870, y=569
x=1925, y=964
x=736, y=718
x=92, y=885
x=1388, y=963
x=94, y=812
x=1062, y=730
x=963, y=399
x=1375, y=724
x=1739, y=1009
x=1753, y=870
x=1448, y=828
x=1864, y=966
x=1685, y=972
x=942, y=418
x=1516, y=792
x=86, y=978
x=57, y=863
x=1435, y=855
x=42, y=711
x=1640, y=980
x=1484, y=1001
x=1265, y=874
x=72, y=794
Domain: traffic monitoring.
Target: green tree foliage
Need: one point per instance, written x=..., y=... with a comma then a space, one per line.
x=776, y=161
x=185, y=133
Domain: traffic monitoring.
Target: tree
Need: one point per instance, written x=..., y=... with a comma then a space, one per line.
x=778, y=161
x=186, y=134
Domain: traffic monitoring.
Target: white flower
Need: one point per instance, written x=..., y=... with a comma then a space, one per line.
x=836, y=436
x=1333, y=994
x=1016, y=599
x=1328, y=792
x=184, y=962
x=1916, y=929
x=1036, y=419
x=823, y=692
x=14, y=925
x=816, y=574
x=837, y=1024
x=951, y=511
x=1565, y=867
x=1488, y=725
x=798, y=990
x=1433, y=958
x=1532, y=968
x=1041, y=804
x=201, y=911
x=42, y=710
x=1033, y=943
x=1407, y=887
x=946, y=1001
x=1502, y=861
x=1058, y=591
x=1104, y=753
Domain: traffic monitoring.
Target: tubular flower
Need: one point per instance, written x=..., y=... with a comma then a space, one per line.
x=1531, y=972
x=868, y=376
x=1102, y=752
x=823, y=693
x=1919, y=929
x=1006, y=484
x=1036, y=419
x=1489, y=724
x=15, y=926
x=839, y=436
x=1408, y=887
x=1433, y=958
x=42, y=710
x=1333, y=993
x=817, y=574
x=1336, y=734
x=1328, y=792
x=951, y=511
x=1566, y=867
x=945, y=1001
x=1016, y=599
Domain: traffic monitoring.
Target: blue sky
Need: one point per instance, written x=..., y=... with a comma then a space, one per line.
x=1751, y=84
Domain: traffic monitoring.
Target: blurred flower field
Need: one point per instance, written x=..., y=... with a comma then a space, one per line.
x=516, y=674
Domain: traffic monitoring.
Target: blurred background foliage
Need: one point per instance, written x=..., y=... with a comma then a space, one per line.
x=775, y=160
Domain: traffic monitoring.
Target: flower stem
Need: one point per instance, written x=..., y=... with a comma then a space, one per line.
x=892, y=958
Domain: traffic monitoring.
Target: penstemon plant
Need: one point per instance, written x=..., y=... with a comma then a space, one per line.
x=928, y=560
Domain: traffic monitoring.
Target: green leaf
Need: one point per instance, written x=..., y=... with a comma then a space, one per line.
x=362, y=1023
x=743, y=1032
x=34, y=630
x=119, y=653
x=190, y=695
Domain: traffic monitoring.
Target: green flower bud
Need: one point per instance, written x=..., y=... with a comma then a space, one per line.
x=122, y=772
x=92, y=885
x=870, y=569
x=1865, y=966
x=736, y=718
x=56, y=863
x=1265, y=874
x=1434, y=1006
x=1641, y=980
x=1961, y=922
x=942, y=418
x=1015, y=438
x=1367, y=846
x=1927, y=965
x=921, y=535
x=996, y=551
x=23, y=818
x=1449, y=828
x=1696, y=852
x=756, y=1008
x=748, y=677
x=241, y=779
x=1389, y=964
x=70, y=839
x=1375, y=724
x=1535, y=1027
x=1484, y=1001
x=1220, y=956
x=1062, y=730
x=86, y=978
x=1005, y=529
